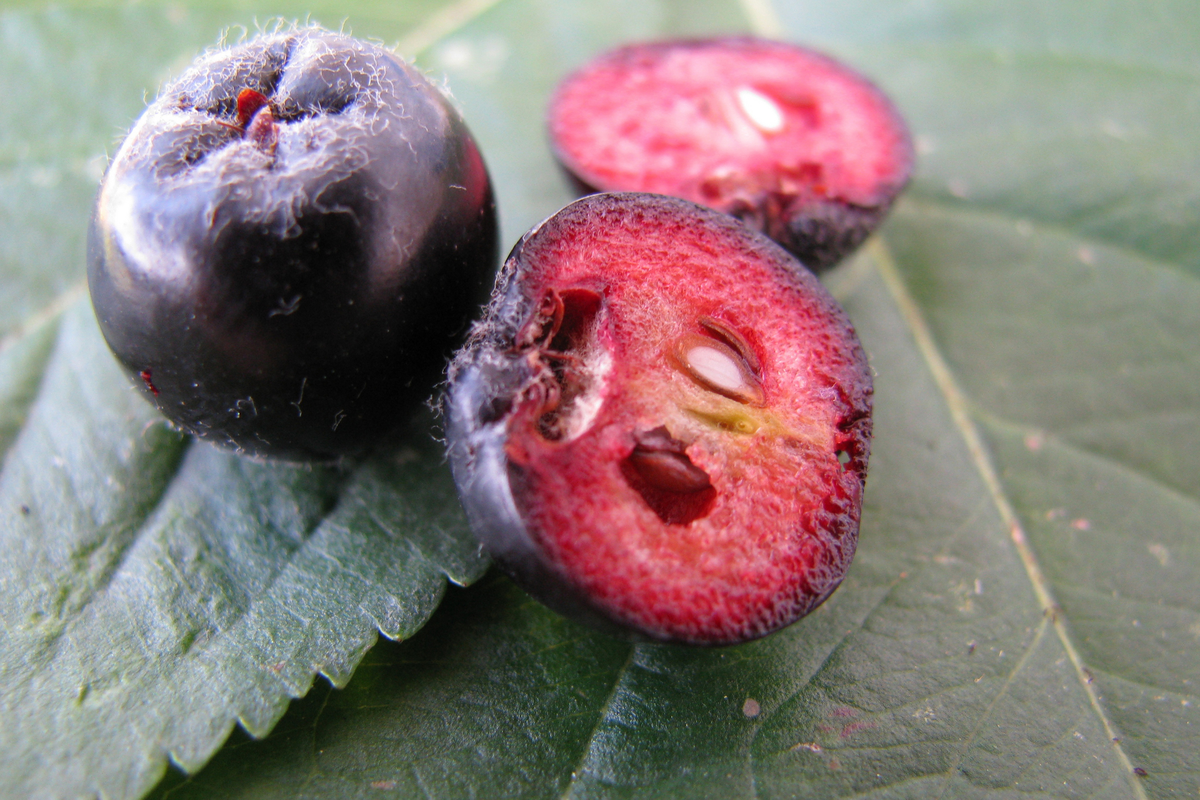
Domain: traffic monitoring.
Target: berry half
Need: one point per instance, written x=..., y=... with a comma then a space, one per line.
x=789, y=141
x=289, y=244
x=663, y=423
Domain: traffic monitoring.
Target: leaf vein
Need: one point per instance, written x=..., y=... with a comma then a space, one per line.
x=959, y=410
x=577, y=772
x=991, y=706
x=833, y=649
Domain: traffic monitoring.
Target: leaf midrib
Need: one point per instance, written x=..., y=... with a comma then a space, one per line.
x=958, y=405
x=484, y=5
x=766, y=23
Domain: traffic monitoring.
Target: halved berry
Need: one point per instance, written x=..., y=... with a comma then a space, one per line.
x=663, y=423
x=789, y=141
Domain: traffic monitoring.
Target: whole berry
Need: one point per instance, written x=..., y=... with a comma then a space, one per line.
x=789, y=141
x=663, y=423
x=290, y=242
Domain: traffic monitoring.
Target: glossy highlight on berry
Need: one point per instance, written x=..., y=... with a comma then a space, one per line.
x=662, y=425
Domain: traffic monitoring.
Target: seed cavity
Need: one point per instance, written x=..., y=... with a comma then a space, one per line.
x=660, y=460
x=659, y=469
x=561, y=346
x=721, y=361
x=671, y=472
x=761, y=110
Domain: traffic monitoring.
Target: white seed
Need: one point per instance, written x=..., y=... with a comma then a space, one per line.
x=760, y=109
x=716, y=367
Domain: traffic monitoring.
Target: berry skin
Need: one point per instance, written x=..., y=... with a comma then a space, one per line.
x=789, y=141
x=290, y=243
x=663, y=423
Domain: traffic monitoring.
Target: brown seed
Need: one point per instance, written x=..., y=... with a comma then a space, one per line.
x=671, y=472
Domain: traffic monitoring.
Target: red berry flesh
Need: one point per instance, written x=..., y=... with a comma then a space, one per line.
x=663, y=423
x=789, y=141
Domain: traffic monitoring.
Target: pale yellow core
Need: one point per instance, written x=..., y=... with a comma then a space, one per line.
x=760, y=109
x=716, y=367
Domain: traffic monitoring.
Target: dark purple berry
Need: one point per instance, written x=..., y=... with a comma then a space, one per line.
x=290, y=242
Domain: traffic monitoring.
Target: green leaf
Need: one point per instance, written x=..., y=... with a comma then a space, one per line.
x=156, y=591
x=1022, y=617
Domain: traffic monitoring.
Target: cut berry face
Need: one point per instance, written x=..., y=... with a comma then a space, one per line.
x=787, y=140
x=289, y=244
x=663, y=424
